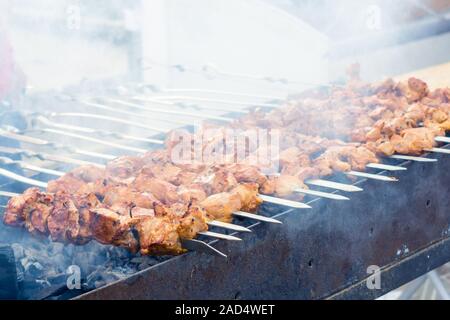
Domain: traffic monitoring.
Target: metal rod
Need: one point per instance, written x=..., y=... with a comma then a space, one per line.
x=386, y=167
x=237, y=94
x=325, y=195
x=200, y=246
x=334, y=185
x=256, y=217
x=438, y=150
x=180, y=113
x=41, y=155
x=328, y=184
x=411, y=158
x=8, y=194
x=284, y=202
x=19, y=178
x=128, y=113
x=98, y=141
x=371, y=176
x=220, y=236
x=31, y=140
x=30, y=167
x=228, y=226
x=49, y=123
x=227, y=102
x=443, y=139
x=107, y=118
x=186, y=105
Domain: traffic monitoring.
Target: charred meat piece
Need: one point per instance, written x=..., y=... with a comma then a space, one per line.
x=63, y=222
x=14, y=213
x=85, y=204
x=38, y=213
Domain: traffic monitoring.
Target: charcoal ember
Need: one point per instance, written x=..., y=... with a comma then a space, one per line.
x=115, y=253
x=142, y=263
x=35, y=269
x=57, y=279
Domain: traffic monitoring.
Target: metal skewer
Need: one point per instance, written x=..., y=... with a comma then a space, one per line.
x=284, y=202
x=371, y=176
x=256, y=217
x=8, y=194
x=188, y=105
x=22, y=179
x=325, y=195
x=128, y=113
x=438, y=150
x=41, y=155
x=237, y=94
x=228, y=226
x=49, y=123
x=220, y=236
x=334, y=185
x=107, y=118
x=386, y=167
x=30, y=167
x=411, y=158
x=98, y=141
x=31, y=140
x=181, y=113
x=200, y=246
x=443, y=139
x=227, y=102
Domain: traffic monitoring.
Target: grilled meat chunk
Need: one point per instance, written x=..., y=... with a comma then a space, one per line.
x=221, y=206
x=108, y=227
x=158, y=236
x=14, y=214
x=63, y=222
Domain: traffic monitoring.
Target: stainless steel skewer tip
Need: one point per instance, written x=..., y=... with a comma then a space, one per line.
x=228, y=226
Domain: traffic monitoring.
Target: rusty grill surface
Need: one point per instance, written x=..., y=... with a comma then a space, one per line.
x=318, y=253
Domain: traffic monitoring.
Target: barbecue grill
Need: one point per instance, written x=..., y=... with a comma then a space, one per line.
x=393, y=217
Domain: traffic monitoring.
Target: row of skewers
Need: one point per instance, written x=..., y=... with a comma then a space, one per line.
x=150, y=203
